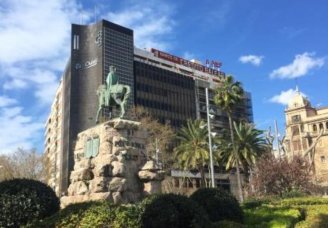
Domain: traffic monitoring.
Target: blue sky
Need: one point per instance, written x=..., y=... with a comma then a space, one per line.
x=267, y=45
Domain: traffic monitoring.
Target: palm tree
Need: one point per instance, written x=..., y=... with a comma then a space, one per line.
x=249, y=145
x=250, y=142
x=192, y=151
x=227, y=96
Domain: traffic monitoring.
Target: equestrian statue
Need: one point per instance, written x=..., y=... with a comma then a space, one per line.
x=112, y=94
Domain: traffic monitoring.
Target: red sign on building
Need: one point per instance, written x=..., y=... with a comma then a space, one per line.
x=187, y=63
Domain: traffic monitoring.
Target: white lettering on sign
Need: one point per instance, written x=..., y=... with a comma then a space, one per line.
x=90, y=63
x=215, y=70
x=87, y=64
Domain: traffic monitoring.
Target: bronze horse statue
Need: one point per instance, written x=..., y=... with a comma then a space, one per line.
x=112, y=93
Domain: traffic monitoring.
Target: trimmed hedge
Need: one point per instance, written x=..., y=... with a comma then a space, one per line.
x=316, y=217
x=94, y=214
x=299, y=212
x=219, y=204
x=23, y=201
x=301, y=201
x=270, y=216
x=170, y=210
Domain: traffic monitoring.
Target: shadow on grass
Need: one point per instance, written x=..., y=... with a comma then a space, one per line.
x=321, y=221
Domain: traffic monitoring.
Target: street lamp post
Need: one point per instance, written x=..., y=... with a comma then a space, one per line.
x=209, y=138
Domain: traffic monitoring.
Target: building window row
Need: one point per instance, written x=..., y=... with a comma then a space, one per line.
x=195, y=183
x=164, y=106
x=158, y=74
x=152, y=89
x=319, y=126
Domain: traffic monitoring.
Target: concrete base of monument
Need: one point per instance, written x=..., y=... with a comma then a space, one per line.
x=110, y=163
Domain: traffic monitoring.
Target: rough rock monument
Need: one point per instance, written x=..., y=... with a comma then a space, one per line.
x=110, y=162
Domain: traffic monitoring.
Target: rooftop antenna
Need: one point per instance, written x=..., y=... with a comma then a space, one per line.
x=297, y=89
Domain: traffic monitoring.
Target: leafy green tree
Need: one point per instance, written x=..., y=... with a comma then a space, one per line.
x=227, y=96
x=249, y=146
x=250, y=143
x=192, y=151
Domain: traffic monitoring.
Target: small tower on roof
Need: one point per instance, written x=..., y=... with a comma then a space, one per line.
x=298, y=100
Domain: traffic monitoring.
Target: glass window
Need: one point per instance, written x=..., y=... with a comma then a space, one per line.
x=314, y=127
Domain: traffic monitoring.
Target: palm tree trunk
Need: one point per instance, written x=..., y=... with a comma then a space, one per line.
x=202, y=177
x=241, y=198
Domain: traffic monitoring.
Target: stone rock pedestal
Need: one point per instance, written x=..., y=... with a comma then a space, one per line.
x=116, y=169
x=151, y=176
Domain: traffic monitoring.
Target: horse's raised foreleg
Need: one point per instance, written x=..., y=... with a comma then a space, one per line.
x=125, y=100
x=122, y=105
x=98, y=112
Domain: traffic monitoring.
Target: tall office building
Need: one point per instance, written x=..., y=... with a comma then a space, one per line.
x=93, y=49
x=173, y=89
x=170, y=87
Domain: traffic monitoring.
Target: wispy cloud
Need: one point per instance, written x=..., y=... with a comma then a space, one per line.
x=256, y=60
x=17, y=130
x=151, y=22
x=300, y=66
x=35, y=30
x=34, y=44
x=34, y=41
x=284, y=97
x=188, y=55
x=6, y=101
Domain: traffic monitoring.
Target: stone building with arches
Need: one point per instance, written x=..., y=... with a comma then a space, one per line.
x=307, y=134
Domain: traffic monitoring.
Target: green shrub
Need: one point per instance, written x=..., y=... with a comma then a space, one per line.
x=219, y=204
x=253, y=203
x=294, y=193
x=68, y=217
x=95, y=214
x=128, y=216
x=23, y=200
x=99, y=214
x=170, y=210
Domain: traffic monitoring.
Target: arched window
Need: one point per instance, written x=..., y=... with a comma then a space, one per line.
x=320, y=126
x=327, y=126
x=314, y=127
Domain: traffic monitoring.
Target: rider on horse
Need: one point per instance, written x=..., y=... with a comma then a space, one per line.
x=112, y=93
x=111, y=81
